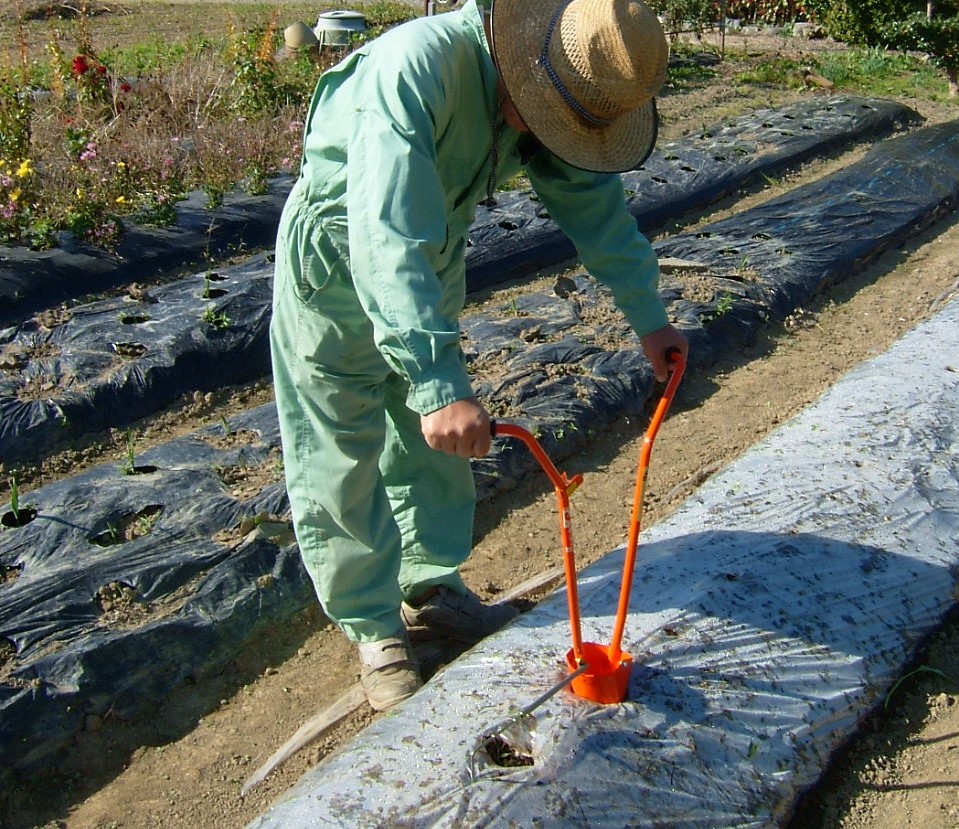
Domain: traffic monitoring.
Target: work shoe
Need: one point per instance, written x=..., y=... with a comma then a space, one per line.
x=389, y=673
x=456, y=616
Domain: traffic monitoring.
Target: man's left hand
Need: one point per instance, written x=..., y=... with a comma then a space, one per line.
x=658, y=344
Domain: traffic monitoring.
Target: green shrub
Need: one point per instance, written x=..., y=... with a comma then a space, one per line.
x=860, y=22
x=936, y=36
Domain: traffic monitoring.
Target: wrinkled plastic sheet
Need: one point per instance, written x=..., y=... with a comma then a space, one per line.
x=118, y=359
x=763, y=264
x=114, y=361
x=198, y=598
x=510, y=241
x=563, y=380
x=517, y=236
x=31, y=280
x=768, y=617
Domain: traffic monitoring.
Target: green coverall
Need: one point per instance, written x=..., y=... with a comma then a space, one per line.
x=370, y=281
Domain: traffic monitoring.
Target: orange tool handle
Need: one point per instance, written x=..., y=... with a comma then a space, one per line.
x=678, y=366
x=564, y=487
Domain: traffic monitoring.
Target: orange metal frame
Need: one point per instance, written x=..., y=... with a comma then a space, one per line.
x=607, y=674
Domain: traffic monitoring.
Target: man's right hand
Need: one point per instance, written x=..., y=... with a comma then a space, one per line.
x=461, y=428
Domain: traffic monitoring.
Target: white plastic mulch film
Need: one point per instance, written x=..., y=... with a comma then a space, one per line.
x=768, y=616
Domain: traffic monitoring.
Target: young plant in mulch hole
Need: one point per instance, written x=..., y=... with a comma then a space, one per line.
x=129, y=465
x=218, y=320
x=120, y=529
x=209, y=292
x=18, y=515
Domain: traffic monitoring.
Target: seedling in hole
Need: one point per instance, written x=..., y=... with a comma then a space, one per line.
x=20, y=514
x=145, y=523
x=216, y=319
x=723, y=307
x=919, y=670
x=227, y=431
x=109, y=537
x=129, y=466
x=15, y=497
x=725, y=304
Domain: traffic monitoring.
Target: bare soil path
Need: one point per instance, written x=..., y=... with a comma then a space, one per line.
x=184, y=768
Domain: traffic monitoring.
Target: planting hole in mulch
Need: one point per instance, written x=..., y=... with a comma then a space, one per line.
x=9, y=574
x=8, y=651
x=129, y=349
x=20, y=518
x=133, y=319
x=127, y=527
x=139, y=469
x=120, y=603
x=505, y=755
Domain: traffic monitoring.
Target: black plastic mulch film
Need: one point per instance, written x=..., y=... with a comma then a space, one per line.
x=158, y=533
x=108, y=363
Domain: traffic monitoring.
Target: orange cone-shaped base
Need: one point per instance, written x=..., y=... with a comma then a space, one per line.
x=603, y=681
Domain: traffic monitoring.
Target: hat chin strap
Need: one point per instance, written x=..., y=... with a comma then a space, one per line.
x=558, y=84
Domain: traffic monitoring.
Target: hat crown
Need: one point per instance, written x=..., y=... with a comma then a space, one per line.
x=610, y=54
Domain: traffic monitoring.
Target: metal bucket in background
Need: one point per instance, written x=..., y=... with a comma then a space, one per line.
x=337, y=27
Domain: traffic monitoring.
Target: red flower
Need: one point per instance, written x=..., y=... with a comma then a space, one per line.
x=80, y=66
x=101, y=69
x=125, y=87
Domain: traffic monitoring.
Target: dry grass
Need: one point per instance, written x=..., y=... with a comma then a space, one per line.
x=110, y=113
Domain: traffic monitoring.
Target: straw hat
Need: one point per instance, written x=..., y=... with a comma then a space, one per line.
x=583, y=75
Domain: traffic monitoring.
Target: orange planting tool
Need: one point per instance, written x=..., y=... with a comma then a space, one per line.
x=606, y=677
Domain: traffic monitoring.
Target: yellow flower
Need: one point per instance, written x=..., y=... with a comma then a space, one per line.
x=121, y=165
x=79, y=193
x=15, y=194
x=121, y=200
x=25, y=169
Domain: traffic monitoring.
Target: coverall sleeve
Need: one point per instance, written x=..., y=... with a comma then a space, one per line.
x=590, y=208
x=398, y=236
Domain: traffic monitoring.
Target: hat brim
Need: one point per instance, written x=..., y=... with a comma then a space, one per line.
x=519, y=30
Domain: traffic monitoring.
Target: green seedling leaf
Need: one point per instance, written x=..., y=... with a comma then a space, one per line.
x=920, y=670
